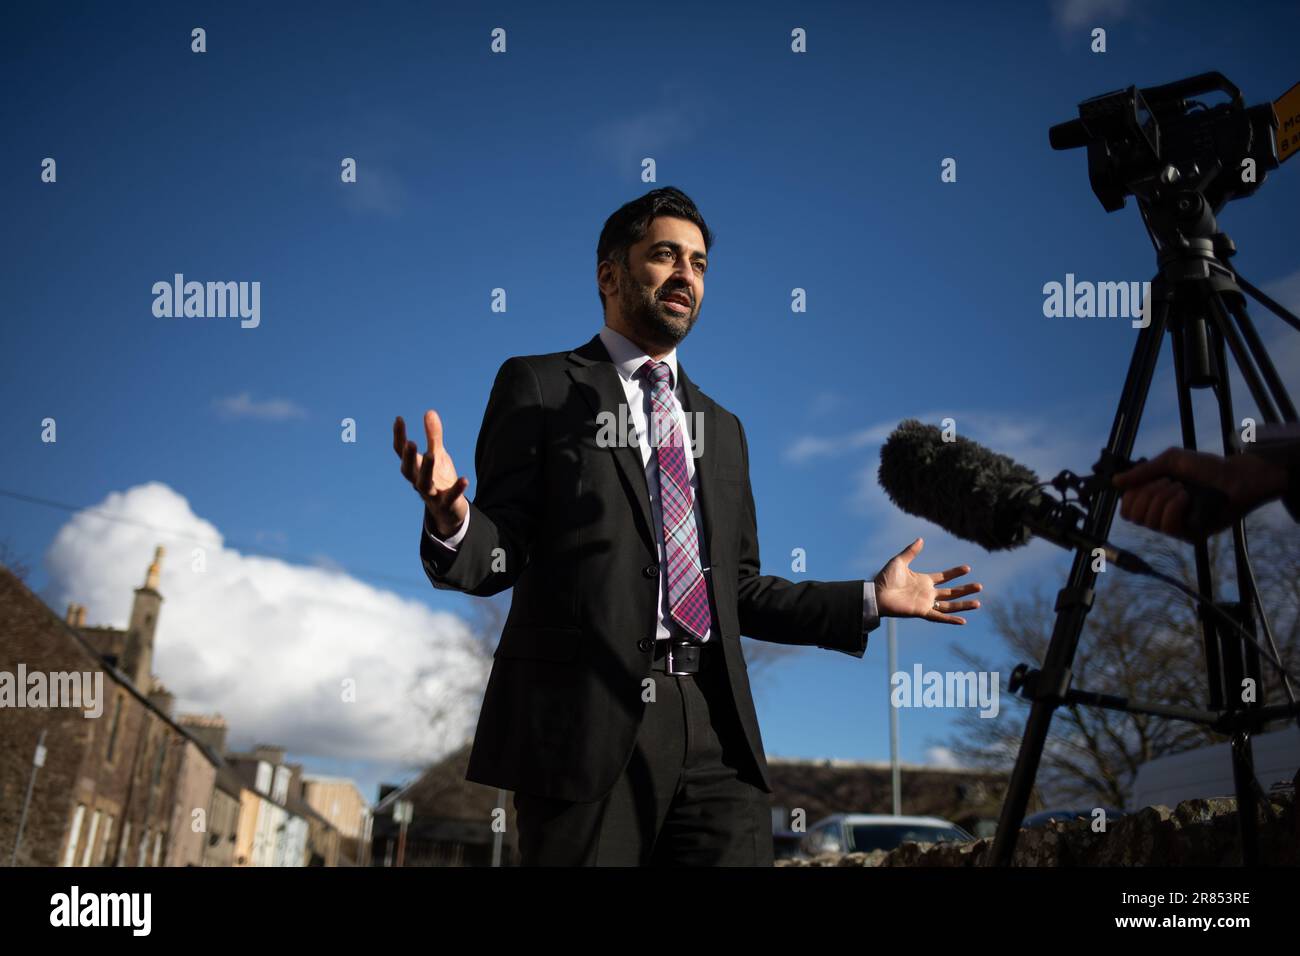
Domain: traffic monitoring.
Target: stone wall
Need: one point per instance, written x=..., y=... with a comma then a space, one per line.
x=1196, y=833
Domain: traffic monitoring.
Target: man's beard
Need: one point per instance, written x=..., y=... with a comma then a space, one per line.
x=650, y=318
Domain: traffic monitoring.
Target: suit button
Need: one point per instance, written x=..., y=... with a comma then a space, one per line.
x=651, y=570
x=645, y=644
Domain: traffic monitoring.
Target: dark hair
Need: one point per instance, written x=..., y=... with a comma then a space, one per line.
x=629, y=224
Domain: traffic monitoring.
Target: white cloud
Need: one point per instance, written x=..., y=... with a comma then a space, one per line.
x=267, y=643
x=656, y=131
x=808, y=447
x=942, y=757
x=244, y=405
x=1071, y=14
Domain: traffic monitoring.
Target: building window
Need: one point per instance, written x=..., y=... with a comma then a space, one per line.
x=112, y=730
x=108, y=840
x=158, y=760
x=90, y=839
x=70, y=854
x=142, y=763
x=263, y=781
x=157, y=849
x=282, y=775
x=126, y=841
x=144, y=847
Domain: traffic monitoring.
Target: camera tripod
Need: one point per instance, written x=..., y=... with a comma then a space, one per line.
x=1198, y=298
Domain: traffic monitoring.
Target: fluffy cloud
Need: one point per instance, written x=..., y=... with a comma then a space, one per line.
x=942, y=757
x=1070, y=14
x=244, y=405
x=270, y=644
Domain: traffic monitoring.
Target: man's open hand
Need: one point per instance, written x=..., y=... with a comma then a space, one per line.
x=902, y=592
x=433, y=475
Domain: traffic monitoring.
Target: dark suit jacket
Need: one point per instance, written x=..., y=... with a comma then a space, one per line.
x=567, y=523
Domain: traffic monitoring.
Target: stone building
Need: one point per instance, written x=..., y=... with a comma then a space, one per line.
x=338, y=800
x=223, y=815
x=121, y=780
x=276, y=826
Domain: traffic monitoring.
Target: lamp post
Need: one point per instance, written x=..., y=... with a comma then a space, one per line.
x=401, y=816
x=38, y=761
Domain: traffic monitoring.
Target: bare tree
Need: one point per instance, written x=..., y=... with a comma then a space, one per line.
x=1141, y=640
x=16, y=563
x=446, y=712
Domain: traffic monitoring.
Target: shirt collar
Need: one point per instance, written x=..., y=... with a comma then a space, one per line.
x=628, y=356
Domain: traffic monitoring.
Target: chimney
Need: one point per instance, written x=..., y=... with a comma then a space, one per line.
x=209, y=728
x=162, y=698
x=270, y=753
x=81, y=615
x=137, y=659
x=72, y=615
x=76, y=615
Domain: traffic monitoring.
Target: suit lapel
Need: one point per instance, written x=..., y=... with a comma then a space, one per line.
x=598, y=381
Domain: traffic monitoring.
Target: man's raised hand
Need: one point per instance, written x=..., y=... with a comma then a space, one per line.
x=902, y=592
x=433, y=475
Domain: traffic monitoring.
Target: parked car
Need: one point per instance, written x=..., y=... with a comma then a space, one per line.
x=864, y=832
x=1044, y=817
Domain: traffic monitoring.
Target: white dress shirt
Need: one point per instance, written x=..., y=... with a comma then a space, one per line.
x=628, y=357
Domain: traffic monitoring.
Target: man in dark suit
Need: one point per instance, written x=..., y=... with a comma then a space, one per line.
x=614, y=497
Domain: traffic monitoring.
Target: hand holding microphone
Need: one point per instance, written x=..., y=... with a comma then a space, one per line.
x=1155, y=496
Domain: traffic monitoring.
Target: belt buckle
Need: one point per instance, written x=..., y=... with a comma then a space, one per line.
x=684, y=652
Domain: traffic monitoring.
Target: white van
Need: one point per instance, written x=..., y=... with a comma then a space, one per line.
x=1207, y=771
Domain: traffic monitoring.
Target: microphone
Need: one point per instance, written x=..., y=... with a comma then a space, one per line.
x=969, y=491
x=981, y=496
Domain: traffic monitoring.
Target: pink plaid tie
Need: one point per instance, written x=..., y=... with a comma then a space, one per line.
x=688, y=593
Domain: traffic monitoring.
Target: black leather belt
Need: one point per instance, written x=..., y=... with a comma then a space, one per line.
x=683, y=658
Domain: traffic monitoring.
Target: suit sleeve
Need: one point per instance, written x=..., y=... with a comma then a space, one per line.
x=835, y=615
x=503, y=517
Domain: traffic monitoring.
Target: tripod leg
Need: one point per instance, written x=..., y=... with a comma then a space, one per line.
x=1072, y=606
x=1243, y=775
x=1252, y=360
x=1243, y=659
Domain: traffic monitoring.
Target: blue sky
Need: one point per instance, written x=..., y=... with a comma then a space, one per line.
x=478, y=171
